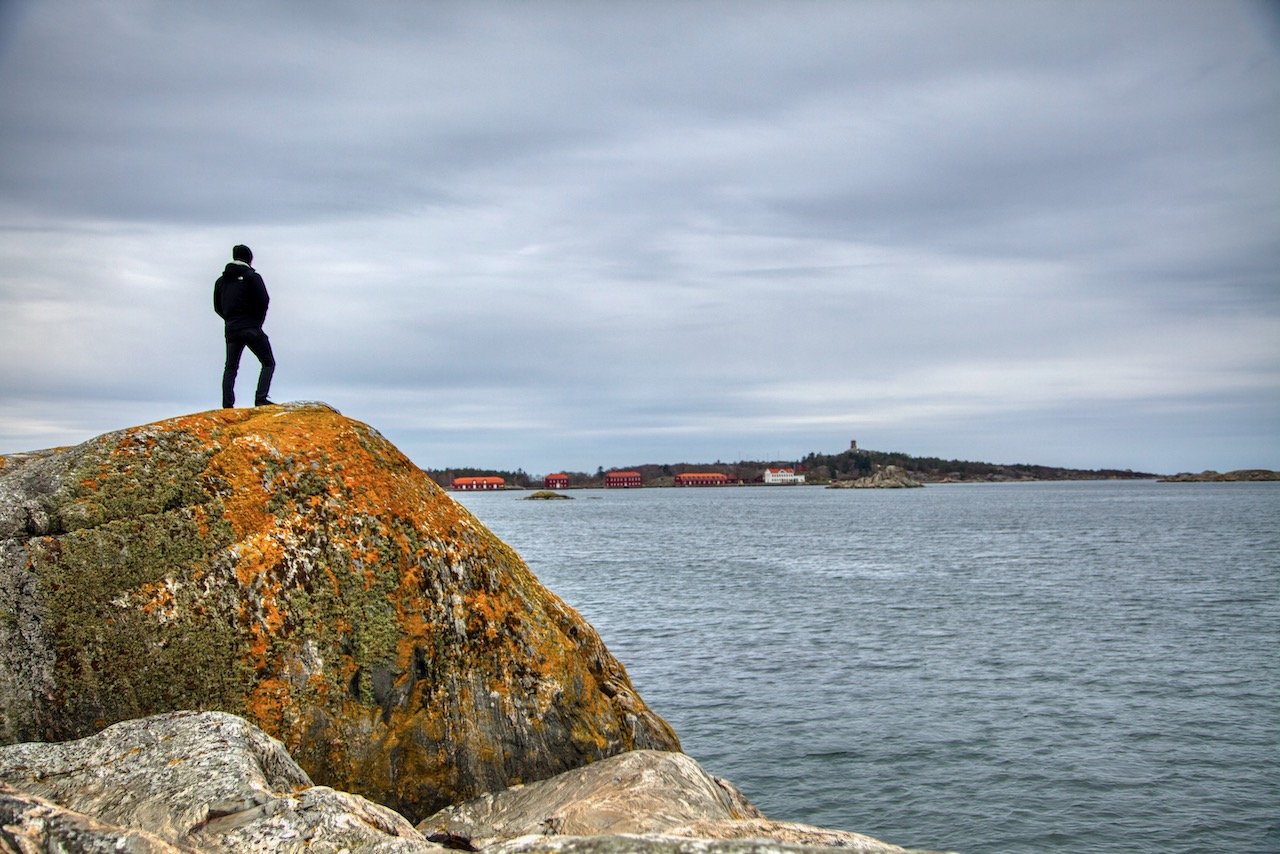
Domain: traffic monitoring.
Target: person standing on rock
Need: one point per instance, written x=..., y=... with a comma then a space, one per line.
x=240, y=298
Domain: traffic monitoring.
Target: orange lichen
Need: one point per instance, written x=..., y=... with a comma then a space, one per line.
x=157, y=599
x=485, y=615
x=267, y=703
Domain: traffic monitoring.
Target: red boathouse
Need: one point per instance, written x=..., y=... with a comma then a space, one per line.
x=473, y=483
x=701, y=478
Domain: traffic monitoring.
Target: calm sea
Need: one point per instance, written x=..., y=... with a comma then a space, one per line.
x=979, y=668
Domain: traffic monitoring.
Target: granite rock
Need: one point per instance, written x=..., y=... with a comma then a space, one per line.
x=32, y=824
x=637, y=792
x=639, y=801
x=205, y=781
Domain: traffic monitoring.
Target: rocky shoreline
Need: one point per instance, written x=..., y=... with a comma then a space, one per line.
x=888, y=477
x=213, y=782
x=1237, y=476
x=374, y=669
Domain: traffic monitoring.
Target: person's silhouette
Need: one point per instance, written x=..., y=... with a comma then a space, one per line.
x=240, y=298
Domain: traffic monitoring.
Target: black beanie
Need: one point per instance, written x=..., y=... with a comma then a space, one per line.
x=240, y=252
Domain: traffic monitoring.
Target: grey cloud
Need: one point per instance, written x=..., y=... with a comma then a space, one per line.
x=654, y=226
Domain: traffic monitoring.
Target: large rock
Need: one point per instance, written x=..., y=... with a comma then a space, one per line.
x=290, y=565
x=639, y=792
x=640, y=801
x=206, y=781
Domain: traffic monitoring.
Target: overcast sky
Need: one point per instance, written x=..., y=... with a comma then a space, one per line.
x=563, y=235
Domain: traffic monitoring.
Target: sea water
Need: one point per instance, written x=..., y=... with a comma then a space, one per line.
x=980, y=668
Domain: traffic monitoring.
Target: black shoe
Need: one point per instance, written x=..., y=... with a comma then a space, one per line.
x=265, y=402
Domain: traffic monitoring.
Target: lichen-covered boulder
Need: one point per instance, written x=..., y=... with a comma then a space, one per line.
x=290, y=565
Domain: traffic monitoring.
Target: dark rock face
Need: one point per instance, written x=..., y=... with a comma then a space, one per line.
x=290, y=565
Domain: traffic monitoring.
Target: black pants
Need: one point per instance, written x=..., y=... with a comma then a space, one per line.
x=260, y=345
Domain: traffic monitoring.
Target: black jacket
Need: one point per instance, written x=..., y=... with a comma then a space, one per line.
x=240, y=297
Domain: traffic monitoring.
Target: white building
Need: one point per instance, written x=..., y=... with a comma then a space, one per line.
x=782, y=476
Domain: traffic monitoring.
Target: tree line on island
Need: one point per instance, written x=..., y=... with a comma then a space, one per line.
x=817, y=468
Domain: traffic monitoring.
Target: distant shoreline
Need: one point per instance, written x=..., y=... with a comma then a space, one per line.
x=1242, y=476
x=820, y=469
x=822, y=484
x=1237, y=476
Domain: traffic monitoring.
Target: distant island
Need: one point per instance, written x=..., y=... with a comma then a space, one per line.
x=816, y=468
x=1237, y=476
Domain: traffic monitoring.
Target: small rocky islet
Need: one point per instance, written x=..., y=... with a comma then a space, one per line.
x=267, y=629
x=888, y=477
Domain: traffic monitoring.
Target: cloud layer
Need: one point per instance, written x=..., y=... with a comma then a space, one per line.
x=563, y=235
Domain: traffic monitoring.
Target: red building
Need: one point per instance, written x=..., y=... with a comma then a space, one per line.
x=622, y=479
x=701, y=478
x=556, y=481
x=471, y=483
